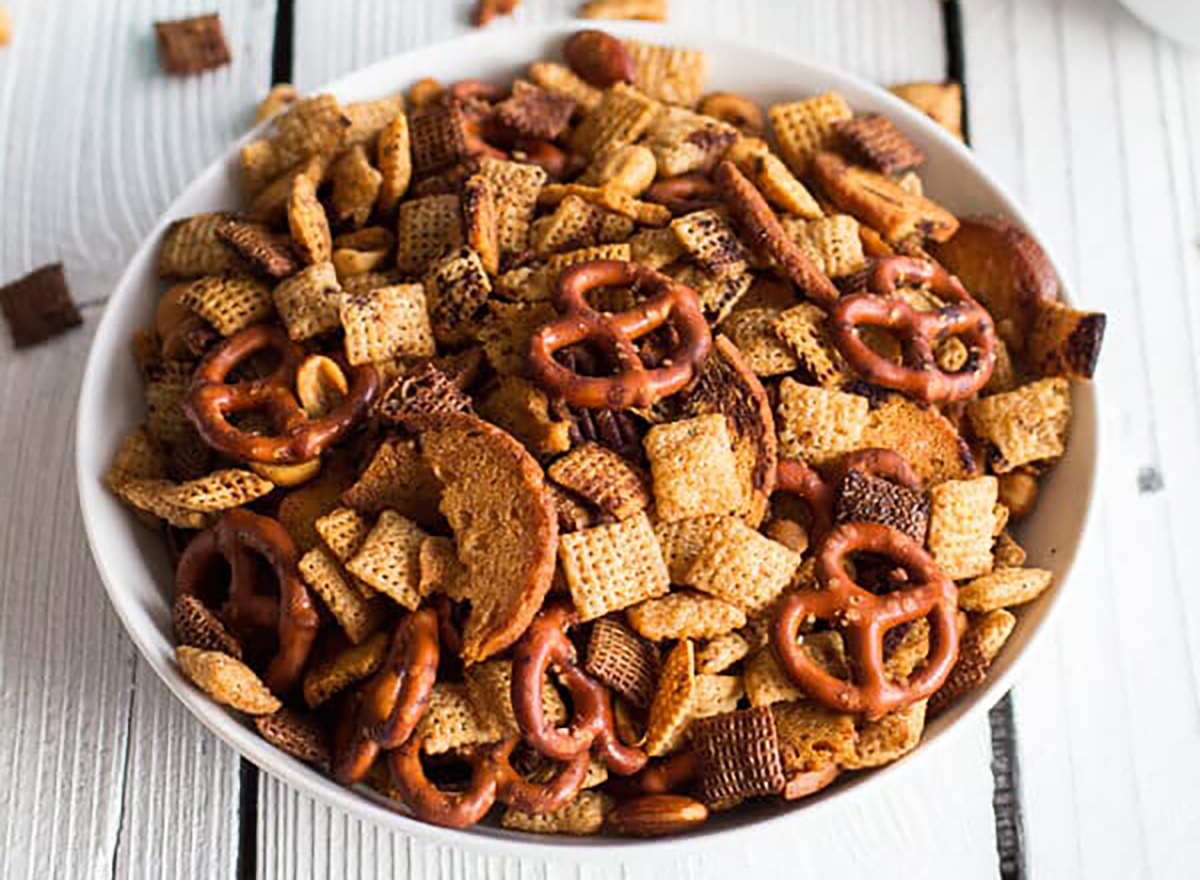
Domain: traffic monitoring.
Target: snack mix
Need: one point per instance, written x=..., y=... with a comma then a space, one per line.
x=595, y=453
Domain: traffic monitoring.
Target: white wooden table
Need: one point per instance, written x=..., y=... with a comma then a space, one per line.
x=1092, y=120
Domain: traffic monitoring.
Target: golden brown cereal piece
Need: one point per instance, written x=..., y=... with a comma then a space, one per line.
x=819, y=424
x=1064, y=341
x=311, y=127
x=645, y=10
x=621, y=117
x=717, y=294
x=719, y=654
x=396, y=478
x=1007, y=553
x=489, y=687
x=880, y=202
x=753, y=332
x=451, y=721
x=394, y=160
x=832, y=243
x=584, y=815
x=487, y=478
x=630, y=169
x=226, y=680
x=270, y=204
x=812, y=737
x=368, y=118
x=766, y=682
x=429, y=227
x=437, y=137
x=296, y=733
x=576, y=224
x=611, y=198
x=559, y=263
x=693, y=467
x=138, y=458
x=535, y=112
x=941, y=102
x=228, y=302
x=560, y=79
x=521, y=408
x=517, y=187
x=1025, y=425
x=711, y=243
x=962, y=525
x=685, y=615
x=611, y=567
x=716, y=694
x=481, y=215
x=266, y=252
x=977, y=647
x=457, y=289
x=358, y=617
x=909, y=652
x=356, y=186
x=220, y=490
x=388, y=322
x=343, y=530
x=739, y=756
x=656, y=248
x=683, y=141
x=667, y=74
x=196, y=626
x=389, y=559
x=873, y=140
x=187, y=46
x=773, y=178
x=670, y=712
x=804, y=329
x=924, y=437
x=279, y=98
x=155, y=498
x=883, y=741
x=620, y=659
x=1004, y=588
x=307, y=221
x=742, y=566
x=309, y=301
x=441, y=570
x=804, y=128
x=604, y=479
x=863, y=497
x=681, y=541
x=506, y=334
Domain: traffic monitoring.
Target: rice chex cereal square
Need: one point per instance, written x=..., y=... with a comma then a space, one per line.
x=693, y=467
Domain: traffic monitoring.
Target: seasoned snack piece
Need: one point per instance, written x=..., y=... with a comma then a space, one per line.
x=517, y=187
x=806, y=127
x=874, y=140
x=670, y=712
x=682, y=540
x=297, y=733
x=584, y=815
x=227, y=680
x=1004, y=588
x=191, y=248
x=834, y=244
x=358, y=617
x=191, y=45
x=621, y=117
x=576, y=224
x=667, y=74
x=1025, y=425
x=563, y=81
x=309, y=301
x=941, y=102
x=228, y=302
x=865, y=498
x=195, y=626
x=487, y=478
x=711, y=243
x=263, y=250
x=220, y=490
x=336, y=672
x=1064, y=341
x=389, y=560
x=739, y=756
x=742, y=566
x=962, y=525
x=922, y=436
x=623, y=661
x=685, y=615
x=805, y=329
x=307, y=221
x=385, y=323
x=611, y=567
x=451, y=721
x=397, y=478
x=817, y=424
x=683, y=141
x=489, y=686
x=457, y=288
x=603, y=478
x=694, y=468
x=429, y=227
x=752, y=331
x=978, y=647
x=754, y=158
x=356, y=186
x=535, y=112
x=886, y=739
x=812, y=736
x=39, y=306
x=394, y=160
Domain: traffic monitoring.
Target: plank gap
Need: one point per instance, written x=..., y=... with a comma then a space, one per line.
x=126, y=770
x=1006, y=798
x=281, y=51
x=956, y=55
x=247, y=860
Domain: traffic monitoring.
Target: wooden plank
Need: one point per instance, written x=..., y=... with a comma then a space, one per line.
x=929, y=827
x=1092, y=120
x=105, y=774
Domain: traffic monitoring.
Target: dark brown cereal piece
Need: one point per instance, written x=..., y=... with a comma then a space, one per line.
x=39, y=306
x=623, y=660
x=297, y=733
x=195, y=625
x=191, y=45
x=874, y=140
x=437, y=136
x=866, y=498
x=604, y=478
x=266, y=252
x=535, y=112
x=739, y=756
x=426, y=392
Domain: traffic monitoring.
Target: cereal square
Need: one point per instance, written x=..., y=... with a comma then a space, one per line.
x=611, y=567
x=667, y=74
x=309, y=302
x=962, y=526
x=1004, y=588
x=386, y=323
x=693, y=468
x=389, y=559
x=671, y=711
x=753, y=332
x=742, y=566
x=804, y=328
x=685, y=615
x=818, y=424
x=1024, y=425
x=428, y=228
x=517, y=187
x=711, y=243
x=621, y=117
x=603, y=478
x=682, y=540
x=358, y=617
x=832, y=243
x=806, y=127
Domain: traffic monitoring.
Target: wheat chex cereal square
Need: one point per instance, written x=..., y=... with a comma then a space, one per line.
x=753, y=332
x=604, y=478
x=804, y=128
x=818, y=424
x=711, y=242
x=437, y=138
x=584, y=815
x=1024, y=425
x=667, y=74
x=621, y=117
x=962, y=526
x=386, y=323
x=682, y=540
x=693, y=467
x=611, y=567
x=517, y=187
x=536, y=112
x=805, y=330
x=389, y=559
x=428, y=228
x=718, y=294
x=309, y=302
x=229, y=302
x=221, y=490
x=743, y=566
x=458, y=288
x=684, y=614
x=358, y=617
x=308, y=222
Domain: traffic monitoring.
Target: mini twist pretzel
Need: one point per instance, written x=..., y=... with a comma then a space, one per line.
x=634, y=384
x=865, y=618
x=492, y=778
x=920, y=375
x=391, y=703
x=546, y=644
x=211, y=400
x=238, y=537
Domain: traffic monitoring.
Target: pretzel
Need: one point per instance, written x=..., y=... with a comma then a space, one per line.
x=492, y=778
x=920, y=376
x=634, y=385
x=546, y=644
x=291, y=615
x=211, y=400
x=865, y=619
x=390, y=704
x=552, y=159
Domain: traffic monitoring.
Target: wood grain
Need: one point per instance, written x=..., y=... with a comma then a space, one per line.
x=1093, y=121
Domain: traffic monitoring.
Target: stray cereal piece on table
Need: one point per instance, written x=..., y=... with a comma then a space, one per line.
x=191, y=45
x=39, y=307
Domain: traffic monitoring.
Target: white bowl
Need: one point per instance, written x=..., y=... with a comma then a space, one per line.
x=133, y=562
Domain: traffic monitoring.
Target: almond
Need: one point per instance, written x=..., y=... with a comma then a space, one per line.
x=655, y=815
x=599, y=59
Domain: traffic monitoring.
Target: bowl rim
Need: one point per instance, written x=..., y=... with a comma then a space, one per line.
x=239, y=736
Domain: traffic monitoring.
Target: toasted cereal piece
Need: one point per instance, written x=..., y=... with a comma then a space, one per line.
x=227, y=680
x=711, y=242
x=270, y=205
x=716, y=695
x=873, y=140
x=165, y=390
x=138, y=458
x=356, y=185
x=155, y=498
x=908, y=652
x=229, y=302
x=451, y=721
x=621, y=117
x=804, y=328
x=559, y=263
x=693, y=468
x=358, y=617
x=684, y=615
x=313, y=126
x=308, y=223
x=667, y=74
x=393, y=157
x=655, y=248
x=1004, y=588
x=881, y=203
x=773, y=178
x=611, y=198
x=575, y=224
x=977, y=648
x=862, y=497
x=266, y=252
x=521, y=408
x=535, y=112
x=506, y=333
x=620, y=659
x=388, y=322
x=517, y=187
x=718, y=294
x=429, y=227
x=191, y=248
x=396, y=478
x=196, y=626
x=766, y=682
x=961, y=526
x=437, y=138
x=892, y=736
x=441, y=569
x=923, y=436
x=489, y=688
x=186, y=46
x=742, y=566
x=297, y=733
x=630, y=169
x=804, y=128
x=1007, y=553
x=1064, y=341
x=561, y=80
x=670, y=711
x=481, y=220
x=832, y=243
x=584, y=815
x=812, y=737
x=309, y=301
x=343, y=530
x=458, y=288
x=1025, y=425
x=221, y=490
x=681, y=541
x=739, y=756
x=719, y=654
x=611, y=567
x=683, y=141
x=753, y=332
x=603, y=478
x=368, y=118
x=389, y=559
x=819, y=424
x=941, y=102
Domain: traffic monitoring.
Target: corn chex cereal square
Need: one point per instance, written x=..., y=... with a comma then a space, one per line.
x=656, y=247
x=962, y=526
x=559, y=263
x=343, y=530
x=819, y=424
x=621, y=117
x=684, y=614
x=309, y=302
x=604, y=478
x=611, y=567
x=716, y=694
x=743, y=566
x=221, y=490
x=1004, y=588
x=753, y=332
x=1024, y=425
x=671, y=711
x=517, y=187
x=717, y=655
x=832, y=243
x=766, y=682
x=229, y=302
x=693, y=468
x=711, y=242
x=428, y=228
x=389, y=559
x=803, y=128
x=718, y=294
x=682, y=540
x=451, y=721
x=804, y=329
x=226, y=680
x=577, y=223
x=358, y=617
x=667, y=74
x=385, y=323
